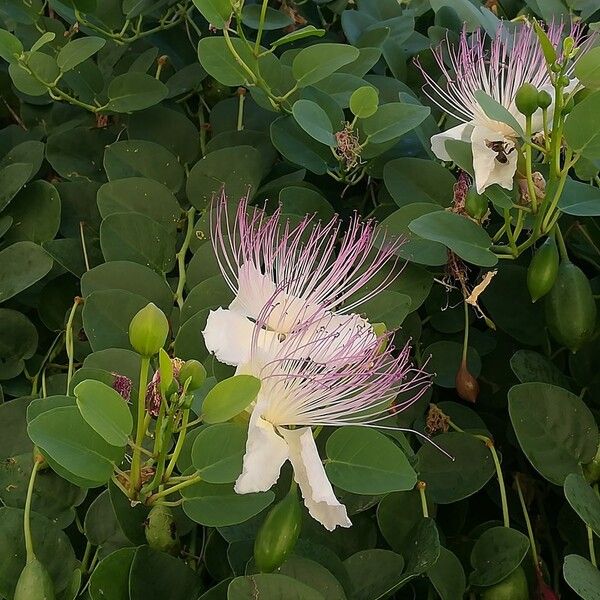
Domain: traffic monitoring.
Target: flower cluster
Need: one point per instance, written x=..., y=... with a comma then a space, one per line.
x=291, y=325
x=498, y=68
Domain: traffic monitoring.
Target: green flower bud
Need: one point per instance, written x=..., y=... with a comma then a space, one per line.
x=476, y=205
x=544, y=99
x=148, y=330
x=527, y=99
x=564, y=81
x=569, y=49
x=194, y=370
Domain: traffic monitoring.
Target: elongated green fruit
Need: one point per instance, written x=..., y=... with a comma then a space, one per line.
x=279, y=533
x=543, y=270
x=161, y=531
x=34, y=583
x=570, y=307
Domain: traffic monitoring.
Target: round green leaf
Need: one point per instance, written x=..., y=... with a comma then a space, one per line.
x=210, y=293
x=274, y=19
x=445, y=359
x=579, y=135
x=216, y=505
x=105, y=411
x=314, y=120
x=364, y=461
x=110, y=579
x=216, y=12
x=141, y=195
x=18, y=341
x=45, y=69
x=496, y=554
x=73, y=445
x=452, y=479
x=587, y=68
x=556, y=430
x=583, y=500
x=459, y=234
x=21, y=265
x=374, y=573
x=138, y=238
x=229, y=398
x=218, y=451
x=12, y=178
x=272, y=586
x=582, y=576
x=448, y=576
x=139, y=158
x=135, y=91
x=10, y=46
x=77, y=51
x=393, y=120
x=364, y=102
x=314, y=63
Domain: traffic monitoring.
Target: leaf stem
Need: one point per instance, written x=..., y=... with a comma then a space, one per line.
x=181, y=256
x=534, y=553
x=421, y=485
x=174, y=488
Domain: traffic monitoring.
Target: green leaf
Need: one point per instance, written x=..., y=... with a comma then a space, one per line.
x=138, y=238
x=135, y=91
x=139, y=158
x=105, y=411
x=18, y=341
x=81, y=455
x=271, y=586
x=216, y=12
x=582, y=576
x=110, y=579
x=239, y=170
x=547, y=47
x=582, y=127
x=52, y=548
x=587, y=69
x=410, y=180
x=531, y=366
x=21, y=265
x=314, y=120
x=131, y=277
x=77, y=51
x=229, y=398
x=364, y=461
x=374, y=573
x=42, y=66
x=274, y=19
x=44, y=39
x=393, y=120
x=215, y=505
x=459, y=234
x=364, y=102
x=218, y=451
x=580, y=199
x=445, y=358
x=453, y=479
x=314, y=63
x=448, y=576
x=496, y=554
x=299, y=34
x=415, y=248
x=389, y=307
x=556, y=430
x=10, y=46
x=495, y=111
x=12, y=178
x=583, y=500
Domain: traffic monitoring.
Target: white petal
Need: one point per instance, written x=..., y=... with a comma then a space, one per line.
x=228, y=335
x=488, y=169
x=311, y=477
x=254, y=291
x=438, y=142
x=266, y=451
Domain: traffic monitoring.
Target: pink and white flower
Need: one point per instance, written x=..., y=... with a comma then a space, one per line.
x=312, y=269
x=314, y=379
x=513, y=58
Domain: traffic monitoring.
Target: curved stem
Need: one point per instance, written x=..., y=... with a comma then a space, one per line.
x=27, y=512
x=178, y=445
x=181, y=256
x=528, y=167
x=174, y=488
x=534, y=554
x=69, y=340
x=261, y=25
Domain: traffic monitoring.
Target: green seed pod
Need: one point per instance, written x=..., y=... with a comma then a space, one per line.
x=148, y=330
x=544, y=99
x=278, y=533
x=476, y=205
x=543, y=269
x=34, y=583
x=514, y=587
x=570, y=307
x=161, y=530
x=195, y=370
x=526, y=99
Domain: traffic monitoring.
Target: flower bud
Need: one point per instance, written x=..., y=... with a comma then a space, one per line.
x=526, y=99
x=564, y=81
x=148, y=330
x=476, y=205
x=569, y=49
x=194, y=370
x=544, y=99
